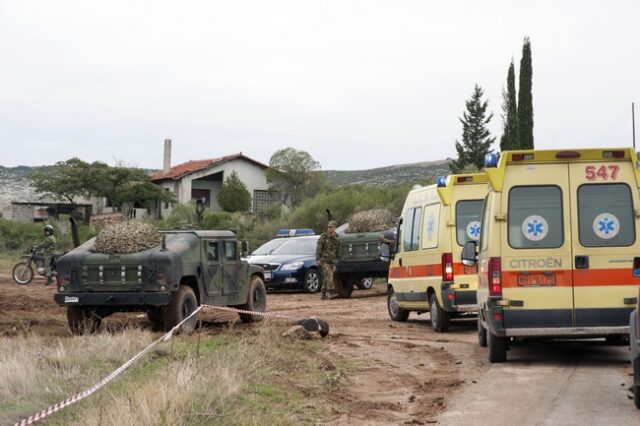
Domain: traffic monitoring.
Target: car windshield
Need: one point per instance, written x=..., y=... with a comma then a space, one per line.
x=301, y=246
x=268, y=248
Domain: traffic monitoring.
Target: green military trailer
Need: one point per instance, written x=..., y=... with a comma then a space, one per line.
x=168, y=282
x=362, y=255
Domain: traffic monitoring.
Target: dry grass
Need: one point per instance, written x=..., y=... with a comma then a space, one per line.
x=252, y=376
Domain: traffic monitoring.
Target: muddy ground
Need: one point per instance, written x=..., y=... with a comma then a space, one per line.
x=404, y=373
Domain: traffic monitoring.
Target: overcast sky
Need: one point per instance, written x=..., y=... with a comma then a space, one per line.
x=357, y=84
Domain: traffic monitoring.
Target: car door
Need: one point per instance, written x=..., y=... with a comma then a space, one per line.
x=536, y=246
x=604, y=242
x=232, y=268
x=213, y=267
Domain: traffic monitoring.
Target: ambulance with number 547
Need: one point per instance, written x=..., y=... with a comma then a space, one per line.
x=560, y=231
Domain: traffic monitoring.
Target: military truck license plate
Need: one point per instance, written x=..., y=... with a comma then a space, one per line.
x=536, y=280
x=267, y=275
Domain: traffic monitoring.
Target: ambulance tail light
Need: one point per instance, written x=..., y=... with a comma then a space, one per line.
x=447, y=267
x=522, y=157
x=613, y=154
x=568, y=154
x=495, y=277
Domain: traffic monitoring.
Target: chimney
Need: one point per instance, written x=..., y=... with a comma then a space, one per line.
x=166, y=166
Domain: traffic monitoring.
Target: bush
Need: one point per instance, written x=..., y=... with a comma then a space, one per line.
x=234, y=196
x=19, y=236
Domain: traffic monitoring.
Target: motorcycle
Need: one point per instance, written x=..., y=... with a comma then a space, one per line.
x=23, y=270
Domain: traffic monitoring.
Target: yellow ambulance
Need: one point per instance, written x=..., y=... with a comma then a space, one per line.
x=559, y=235
x=426, y=274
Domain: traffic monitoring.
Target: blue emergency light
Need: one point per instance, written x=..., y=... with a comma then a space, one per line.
x=491, y=160
x=294, y=232
x=441, y=181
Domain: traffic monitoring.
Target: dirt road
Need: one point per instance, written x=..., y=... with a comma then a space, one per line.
x=404, y=373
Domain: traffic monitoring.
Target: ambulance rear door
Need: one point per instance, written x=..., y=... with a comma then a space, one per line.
x=605, y=240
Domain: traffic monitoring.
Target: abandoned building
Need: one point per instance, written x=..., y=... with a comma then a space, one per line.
x=198, y=179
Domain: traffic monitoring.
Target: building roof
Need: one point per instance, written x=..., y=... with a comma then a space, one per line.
x=179, y=171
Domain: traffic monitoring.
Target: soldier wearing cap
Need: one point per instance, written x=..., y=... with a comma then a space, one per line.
x=327, y=253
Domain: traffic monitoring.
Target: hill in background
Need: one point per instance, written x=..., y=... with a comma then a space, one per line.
x=15, y=186
x=390, y=175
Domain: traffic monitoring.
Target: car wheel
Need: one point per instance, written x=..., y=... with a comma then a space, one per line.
x=365, y=283
x=256, y=301
x=439, y=317
x=482, y=333
x=396, y=313
x=181, y=305
x=312, y=281
x=82, y=319
x=497, y=347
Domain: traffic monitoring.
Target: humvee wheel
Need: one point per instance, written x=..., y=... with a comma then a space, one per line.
x=439, y=317
x=82, y=319
x=181, y=305
x=396, y=313
x=256, y=301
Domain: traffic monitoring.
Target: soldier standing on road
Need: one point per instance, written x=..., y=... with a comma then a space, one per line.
x=327, y=253
x=48, y=247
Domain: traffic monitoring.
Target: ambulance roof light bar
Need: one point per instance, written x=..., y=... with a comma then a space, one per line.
x=441, y=181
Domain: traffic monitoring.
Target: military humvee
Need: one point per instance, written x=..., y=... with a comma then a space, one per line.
x=168, y=282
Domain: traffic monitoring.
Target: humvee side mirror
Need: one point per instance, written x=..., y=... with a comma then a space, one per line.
x=246, y=248
x=385, y=252
x=469, y=255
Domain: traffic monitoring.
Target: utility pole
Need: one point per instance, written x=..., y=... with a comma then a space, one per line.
x=633, y=123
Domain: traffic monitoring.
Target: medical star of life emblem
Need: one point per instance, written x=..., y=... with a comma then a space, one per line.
x=535, y=228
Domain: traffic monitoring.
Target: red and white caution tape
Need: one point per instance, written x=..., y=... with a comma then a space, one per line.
x=87, y=392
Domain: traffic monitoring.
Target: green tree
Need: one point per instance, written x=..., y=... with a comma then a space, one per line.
x=234, y=196
x=65, y=180
x=509, y=138
x=476, y=138
x=293, y=176
x=525, y=99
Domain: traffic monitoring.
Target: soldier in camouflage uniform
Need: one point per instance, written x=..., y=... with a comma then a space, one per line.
x=48, y=247
x=327, y=254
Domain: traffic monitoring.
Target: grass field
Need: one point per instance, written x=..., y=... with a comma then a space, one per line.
x=249, y=376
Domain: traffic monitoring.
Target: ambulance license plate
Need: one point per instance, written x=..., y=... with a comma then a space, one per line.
x=536, y=280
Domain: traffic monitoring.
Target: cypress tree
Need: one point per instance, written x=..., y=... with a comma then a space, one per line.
x=476, y=138
x=509, y=138
x=525, y=99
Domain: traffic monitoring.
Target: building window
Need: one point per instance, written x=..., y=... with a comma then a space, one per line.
x=261, y=200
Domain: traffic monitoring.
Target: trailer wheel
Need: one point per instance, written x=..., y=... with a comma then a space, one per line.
x=344, y=285
x=181, y=305
x=83, y=319
x=256, y=301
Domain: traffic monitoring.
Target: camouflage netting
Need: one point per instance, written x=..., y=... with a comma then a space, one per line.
x=371, y=221
x=127, y=237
